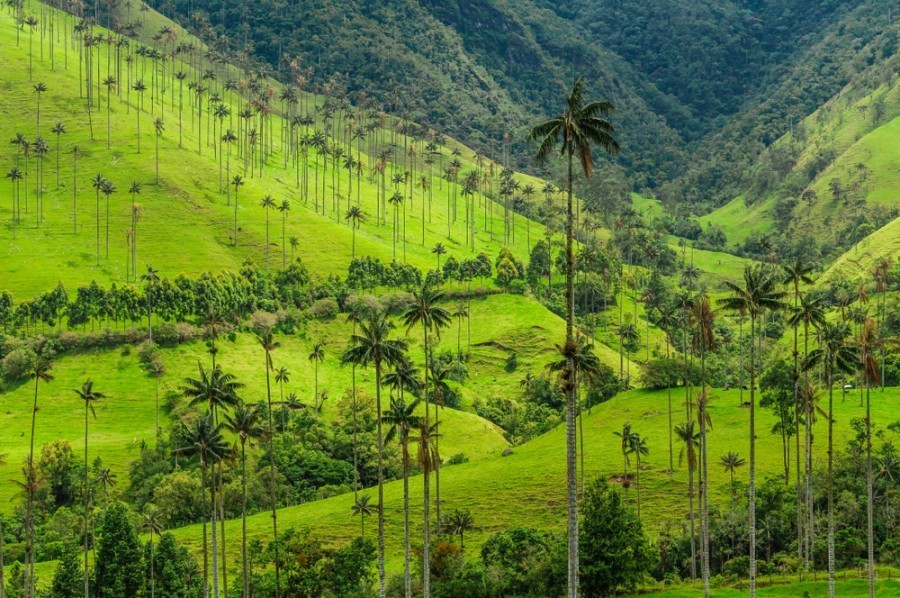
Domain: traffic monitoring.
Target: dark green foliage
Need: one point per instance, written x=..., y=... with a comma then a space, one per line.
x=525, y=562
x=175, y=569
x=614, y=552
x=119, y=569
x=68, y=580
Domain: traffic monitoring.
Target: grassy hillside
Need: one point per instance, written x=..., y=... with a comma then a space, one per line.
x=858, y=262
x=187, y=209
x=528, y=484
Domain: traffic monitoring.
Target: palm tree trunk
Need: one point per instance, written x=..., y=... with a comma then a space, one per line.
x=571, y=488
x=830, y=481
x=870, y=505
x=406, y=574
x=752, y=483
x=272, y=480
x=86, y=514
x=691, y=511
x=245, y=573
x=426, y=537
x=215, y=542
x=382, y=589
x=152, y=576
x=205, y=549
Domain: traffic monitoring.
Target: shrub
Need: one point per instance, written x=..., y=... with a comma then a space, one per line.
x=323, y=309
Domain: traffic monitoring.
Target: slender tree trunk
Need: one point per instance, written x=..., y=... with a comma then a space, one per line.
x=752, y=484
x=571, y=481
x=406, y=573
x=272, y=480
x=382, y=588
x=831, y=559
x=205, y=548
x=215, y=541
x=244, y=571
x=86, y=513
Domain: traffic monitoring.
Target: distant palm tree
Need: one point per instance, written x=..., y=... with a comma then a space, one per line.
x=140, y=88
x=691, y=441
x=835, y=356
x=425, y=310
x=362, y=506
x=244, y=423
x=439, y=250
x=317, y=356
x=266, y=203
x=458, y=523
x=107, y=189
x=402, y=420
x=89, y=396
x=579, y=126
x=150, y=280
x=39, y=89
x=159, y=126
x=98, y=182
x=110, y=83
x=732, y=461
x=758, y=294
x=429, y=460
x=40, y=371
x=372, y=345
x=237, y=181
x=295, y=243
x=58, y=129
x=151, y=523
x=638, y=447
x=284, y=207
x=267, y=342
x=355, y=216
x=624, y=445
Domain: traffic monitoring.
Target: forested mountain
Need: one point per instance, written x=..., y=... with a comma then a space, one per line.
x=701, y=88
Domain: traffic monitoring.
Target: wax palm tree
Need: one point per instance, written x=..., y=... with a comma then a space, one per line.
x=425, y=311
x=882, y=275
x=160, y=127
x=151, y=523
x=98, y=182
x=110, y=83
x=372, y=345
x=214, y=388
x=107, y=189
x=758, y=294
x=396, y=200
x=267, y=202
x=202, y=438
x=317, y=356
x=731, y=461
x=140, y=88
x=244, y=422
x=268, y=344
x=89, y=396
x=294, y=243
x=363, y=507
x=58, y=129
x=638, y=447
x=794, y=274
x=690, y=441
x=401, y=419
x=458, y=523
x=667, y=319
x=39, y=89
x=624, y=443
x=429, y=460
x=576, y=129
x=284, y=207
x=355, y=217
x=39, y=371
x=150, y=279
x=835, y=356
x=237, y=182
x=439, y=250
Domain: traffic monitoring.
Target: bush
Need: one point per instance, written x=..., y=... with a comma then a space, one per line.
x=324, y=309
x=16, y=364
x=518, y=287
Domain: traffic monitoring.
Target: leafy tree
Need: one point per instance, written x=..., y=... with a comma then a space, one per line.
x=525, y=562
x=615, y=552
x=67, y=577
x=119, y=561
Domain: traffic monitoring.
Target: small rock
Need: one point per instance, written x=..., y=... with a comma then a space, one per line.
x=507, y=452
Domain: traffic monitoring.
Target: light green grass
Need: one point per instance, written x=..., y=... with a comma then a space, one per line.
x=738, y=221
x=186, y=225
x=807, y=589
x=527, y=487
x=858, y=261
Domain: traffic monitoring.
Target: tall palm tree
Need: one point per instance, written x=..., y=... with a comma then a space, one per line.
x=731, y=462
x=429, y=460
x=758, y=294
x=425, y=310
x=107, y=189
x=39, y=89
x=355, y=216
x=151, y=523
x=150, y=279
x=579, y=126
x=835, y=356
x=203, y=438
x=267, y=342
x=794, y=274
x=317, y=356
x=362, y=506
x=89, y=396
x=267, y=202
x=244, y=423
x=140, y=88
x=372, y=344
x=439, y=250
x=458, y=523
x=667, y=320
x=691, y=442
x=402, y=420
x=882, y=274
x=284, y=207
x=98, y=183
x=58, y=129
x=638, y=447
x=110, y=83
x=40, y=372
x=237, y=182
x=159, y=127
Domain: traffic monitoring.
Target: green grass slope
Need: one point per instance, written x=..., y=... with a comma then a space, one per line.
x=187, y=223
x=858, y=262
x=527, y=487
